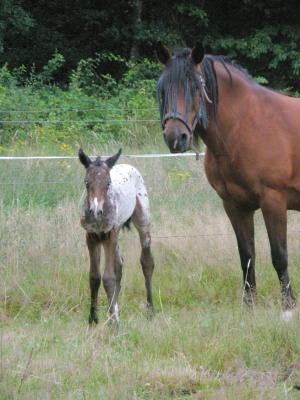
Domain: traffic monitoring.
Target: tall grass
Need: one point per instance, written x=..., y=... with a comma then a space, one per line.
x=203, y=342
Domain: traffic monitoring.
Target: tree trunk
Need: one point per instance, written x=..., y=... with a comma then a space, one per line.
x=137, y=25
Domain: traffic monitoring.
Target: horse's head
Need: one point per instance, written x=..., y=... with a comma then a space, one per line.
x=181, y=95
x=97, y=181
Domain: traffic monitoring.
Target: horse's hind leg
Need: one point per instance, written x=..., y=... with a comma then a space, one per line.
x=93, y=243
x=147, y=263
x=118, y=264
x=273, y=207
x=243, y=225
x=141, y=220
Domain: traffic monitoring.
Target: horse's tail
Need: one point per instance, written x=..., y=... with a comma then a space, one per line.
x=127, y=224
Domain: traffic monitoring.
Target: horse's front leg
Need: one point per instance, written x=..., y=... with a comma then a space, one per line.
x=93, y=243
x=110, y=283
x=273, y=207
x=243, y=225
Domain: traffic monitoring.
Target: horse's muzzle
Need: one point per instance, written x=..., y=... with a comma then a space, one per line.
x=95, y=213
x=177, y=143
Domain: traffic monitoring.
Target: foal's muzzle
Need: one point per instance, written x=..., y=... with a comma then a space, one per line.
x=95, y=213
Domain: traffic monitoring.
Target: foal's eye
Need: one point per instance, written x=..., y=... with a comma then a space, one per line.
x=86, y=183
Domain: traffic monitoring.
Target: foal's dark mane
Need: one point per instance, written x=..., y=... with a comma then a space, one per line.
x=180, y=75
x=98, y=162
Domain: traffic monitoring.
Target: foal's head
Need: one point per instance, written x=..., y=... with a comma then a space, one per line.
x=97, y=181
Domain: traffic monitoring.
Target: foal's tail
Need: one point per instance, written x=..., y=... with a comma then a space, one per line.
x=127, y=224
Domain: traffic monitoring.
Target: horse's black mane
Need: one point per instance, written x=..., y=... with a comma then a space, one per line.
x=180, y=72
x=227, y=61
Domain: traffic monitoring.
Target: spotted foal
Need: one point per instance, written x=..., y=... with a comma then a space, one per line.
x=116, y=195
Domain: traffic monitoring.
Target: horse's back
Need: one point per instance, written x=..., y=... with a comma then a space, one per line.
x=275, y=160
x=130, y=191
x=128, y=178
x=261, y=152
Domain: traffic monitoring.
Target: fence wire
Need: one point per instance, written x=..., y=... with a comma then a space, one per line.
x=75, y=121
x=75, y=182
x=150, y=182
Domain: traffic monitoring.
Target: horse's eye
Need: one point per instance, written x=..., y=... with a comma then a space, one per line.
x=86, y=183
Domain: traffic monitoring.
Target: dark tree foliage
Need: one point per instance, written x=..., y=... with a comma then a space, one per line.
x=263, y=36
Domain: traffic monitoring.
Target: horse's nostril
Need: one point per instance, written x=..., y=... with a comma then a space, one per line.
x=184, y=137
x=91, y=211
x=100, y=213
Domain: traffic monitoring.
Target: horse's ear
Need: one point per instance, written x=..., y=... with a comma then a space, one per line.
x=84, y=159
x=197, y=53
x=163, y=53
x=110, y=162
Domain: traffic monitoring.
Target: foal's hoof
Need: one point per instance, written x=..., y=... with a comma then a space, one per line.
x=147, y=310
x=93, y=318
x=114, y=328
x=150, y=313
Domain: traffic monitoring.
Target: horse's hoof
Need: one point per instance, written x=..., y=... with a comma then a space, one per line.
x=250, y=298
x=288, y=303
x=93, y=319
x=150, y=313
x=114, y=327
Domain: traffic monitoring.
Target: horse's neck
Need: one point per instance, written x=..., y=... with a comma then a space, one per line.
x=111, y=199
x=235, y=96
x=213, y=140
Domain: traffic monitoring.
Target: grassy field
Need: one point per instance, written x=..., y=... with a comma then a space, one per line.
x=203, y=342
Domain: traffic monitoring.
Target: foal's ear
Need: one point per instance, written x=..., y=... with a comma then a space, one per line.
x=84, y=159
x=197, y=53
x=163, y=53
x=110, y=162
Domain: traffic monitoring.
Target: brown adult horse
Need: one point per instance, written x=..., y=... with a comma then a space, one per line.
x=252, y=138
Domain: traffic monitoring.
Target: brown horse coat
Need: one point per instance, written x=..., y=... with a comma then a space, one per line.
x=252, y=158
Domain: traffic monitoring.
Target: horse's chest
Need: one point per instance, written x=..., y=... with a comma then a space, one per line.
x=240, y=193
x=230, y=182
x=99, y=225
x=104, y=221
x=240, y=187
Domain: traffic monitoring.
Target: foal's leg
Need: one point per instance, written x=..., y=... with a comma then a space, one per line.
x=273, y=207
x=243, y=225
x=110, y=246
x=93, y=243
x=141, y=220
x=118, y=264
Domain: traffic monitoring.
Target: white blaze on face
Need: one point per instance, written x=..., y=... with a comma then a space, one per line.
x=97, y=206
